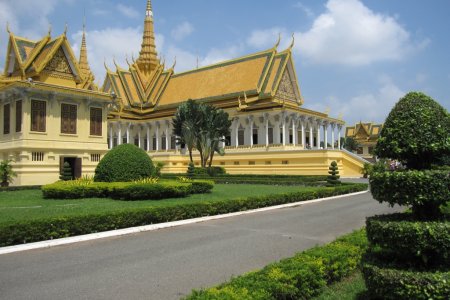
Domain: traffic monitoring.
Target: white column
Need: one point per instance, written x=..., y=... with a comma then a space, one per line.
x=167, y=137
x=266, y=121
x=139, y=136
x=294, y=131
x=119, y=138
x=311, y=136
x=333, y=127
x=148, y=137
x=236, y=131
x=250, y=123
x=303, y=134
x=318, y=134
x=111, y=129
x=339, y=136
x=128, y=133
x=224, y=142
x=325, y=143
x=157, y=136
x=284, y=130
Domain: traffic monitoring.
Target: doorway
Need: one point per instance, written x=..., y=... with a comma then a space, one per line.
x=75, y=166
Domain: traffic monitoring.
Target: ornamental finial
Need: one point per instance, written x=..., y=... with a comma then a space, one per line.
x=149, y=11
x=293, y=41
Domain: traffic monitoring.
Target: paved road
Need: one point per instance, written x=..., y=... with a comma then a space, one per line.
x=167, y=264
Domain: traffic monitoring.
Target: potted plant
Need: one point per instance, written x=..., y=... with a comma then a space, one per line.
x=6, y=173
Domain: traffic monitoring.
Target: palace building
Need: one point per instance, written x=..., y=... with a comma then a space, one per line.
x=52, y=112
x=366, y=136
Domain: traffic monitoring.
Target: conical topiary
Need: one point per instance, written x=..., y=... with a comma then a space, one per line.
x=66, y=174
x=333, y=178
x=191, y=170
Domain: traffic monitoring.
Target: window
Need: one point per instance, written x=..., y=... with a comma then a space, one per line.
x=173, y=142
x=38, y=115
x=359, y=150
x=222, y=163
x=270, y=135
x=136, y=141
x=96, y=121
x=268, y=162
x=252, y=163
x=95, y=157
x=163, y=143
x=37, y=156
x=19, y=116
x=236, y=163
x=285, y=162
x=145, y=144
x=255, y=136
x=68, y=118
x=241, y=137
x=154, y=144
x=6, y=118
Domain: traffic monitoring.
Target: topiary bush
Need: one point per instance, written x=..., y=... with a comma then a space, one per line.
x=124, y=163
x=66, y=173
x=333, y=178
x=424, y=191
x=416, y=132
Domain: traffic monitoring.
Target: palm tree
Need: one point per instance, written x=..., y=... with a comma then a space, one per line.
x=6, y=173
x=185, y=123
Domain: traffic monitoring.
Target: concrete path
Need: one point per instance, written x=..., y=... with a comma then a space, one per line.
x=168, y=263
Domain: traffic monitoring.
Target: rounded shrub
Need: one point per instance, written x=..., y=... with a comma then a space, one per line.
x=424, y=191
x=416, y=132
x=425, y=244
x=397, y=284
x=124, y=163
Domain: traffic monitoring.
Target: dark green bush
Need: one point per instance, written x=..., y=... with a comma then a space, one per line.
x=416, y=132
x=422, y=243
x=397, y=284
x=191, y=170
x=215, y=171
x=66, y=173
x=124, y=163
x=52, y=228
x=300, y=277
x=424, y=191
x=333, y=178
x=125, y=190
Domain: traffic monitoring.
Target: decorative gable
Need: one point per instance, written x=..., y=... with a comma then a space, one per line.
x=286, y=89
x=59, y=65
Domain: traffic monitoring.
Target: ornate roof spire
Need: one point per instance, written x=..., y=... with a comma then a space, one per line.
x=83, y=63
x=148, y=57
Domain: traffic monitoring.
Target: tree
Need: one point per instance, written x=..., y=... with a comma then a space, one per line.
x=334, y=176
x=191, y=170
x=7, y=173
x=351, y=144
x=66, y=173
x=416, y=132
x=202, y=126
x=185, y=123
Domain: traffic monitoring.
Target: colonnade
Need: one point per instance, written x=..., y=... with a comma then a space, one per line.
x=282, y=129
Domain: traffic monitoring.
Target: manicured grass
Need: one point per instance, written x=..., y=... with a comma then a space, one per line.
x=30, y=205
x=351, y=288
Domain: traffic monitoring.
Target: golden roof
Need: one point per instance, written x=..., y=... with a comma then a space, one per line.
x=367, y=131
x=45, y=59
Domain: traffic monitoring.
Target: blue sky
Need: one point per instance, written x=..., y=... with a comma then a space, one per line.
x=353, y=57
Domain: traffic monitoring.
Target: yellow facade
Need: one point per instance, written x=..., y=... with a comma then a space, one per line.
x=271, y=131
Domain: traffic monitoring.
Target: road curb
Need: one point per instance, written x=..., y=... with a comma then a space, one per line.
x=133, y=230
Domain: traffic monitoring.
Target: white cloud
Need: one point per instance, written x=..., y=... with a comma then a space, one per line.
x=127, y=11
x=308, y=12
x=267, y=38
x=347, y=33
x=369, y=106
x=182, y=31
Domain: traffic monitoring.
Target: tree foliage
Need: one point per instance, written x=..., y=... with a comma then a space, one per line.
x=350, y=144
x=202, y=126
x=334, y=176
x=7, y=173
x=66, y=173
x=416, y=132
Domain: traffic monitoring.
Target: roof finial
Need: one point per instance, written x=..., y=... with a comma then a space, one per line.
x=65, y=29
x=174, y=63
x=149, y=11
x=49, y=29
x=278, y=41
x=84, y=21
x=83, y=62
x=7, y=27
x=293, y=42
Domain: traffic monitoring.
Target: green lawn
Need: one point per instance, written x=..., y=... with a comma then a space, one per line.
x=29, y=204
x=351, y=288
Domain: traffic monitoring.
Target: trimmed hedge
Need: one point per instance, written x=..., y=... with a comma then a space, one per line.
x=300, y=277
x=60, y=227
x=422, y=243
x=125, y=190
x=395, y=283
x=124, y=163
x=425, y=191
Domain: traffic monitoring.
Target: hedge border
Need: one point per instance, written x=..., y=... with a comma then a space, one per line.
x=424, y=243
x=299, y=277
x=392, y=283
x=53, y=228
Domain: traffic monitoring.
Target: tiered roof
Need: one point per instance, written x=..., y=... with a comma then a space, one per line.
x=364, y=131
